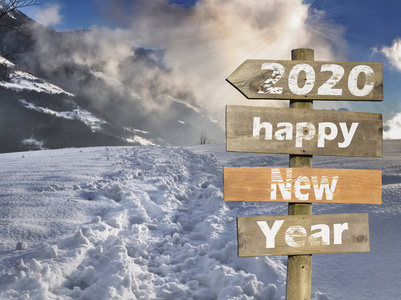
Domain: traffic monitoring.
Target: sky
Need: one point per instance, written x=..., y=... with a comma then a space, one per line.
x=339, y=30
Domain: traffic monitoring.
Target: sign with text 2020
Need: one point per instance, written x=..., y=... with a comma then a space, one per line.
x=309, y=80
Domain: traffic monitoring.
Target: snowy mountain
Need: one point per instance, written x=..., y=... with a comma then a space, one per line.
x=150, y=223
x=52, y=96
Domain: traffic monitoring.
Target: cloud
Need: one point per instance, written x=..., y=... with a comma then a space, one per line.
x=201, y=46
x=393, y=128
x=48, y=15
x=209, y=41
x=392, y=53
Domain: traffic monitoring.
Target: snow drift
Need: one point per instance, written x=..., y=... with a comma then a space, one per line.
x=150, y=223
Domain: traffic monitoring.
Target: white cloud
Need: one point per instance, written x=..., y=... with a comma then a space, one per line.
x=393, y=128
x=208, y=44
x=204, y=45
x=393, y=53
x=48, y=15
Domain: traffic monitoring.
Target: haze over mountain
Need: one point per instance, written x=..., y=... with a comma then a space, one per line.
x=60, y=90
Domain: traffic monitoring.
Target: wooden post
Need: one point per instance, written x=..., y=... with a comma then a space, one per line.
x=299, y=267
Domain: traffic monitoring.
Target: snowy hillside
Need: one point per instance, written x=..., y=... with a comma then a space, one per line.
x=41, y=115
x=150, y=223
x=65, y=92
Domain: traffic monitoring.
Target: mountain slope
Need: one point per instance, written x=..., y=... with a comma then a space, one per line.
x=52, y=95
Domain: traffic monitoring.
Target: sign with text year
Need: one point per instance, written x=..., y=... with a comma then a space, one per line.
x=302, y=234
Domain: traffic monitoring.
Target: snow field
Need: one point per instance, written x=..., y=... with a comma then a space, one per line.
x=153, y=227
x=150, y=223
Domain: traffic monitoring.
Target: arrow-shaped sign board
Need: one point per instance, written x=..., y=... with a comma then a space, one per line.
x=302, y=234
x=309, y=80
x=303, y=131
x=302, y=185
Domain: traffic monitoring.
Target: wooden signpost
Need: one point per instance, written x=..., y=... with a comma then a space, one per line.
x=300, y=185
x=309, y=80
x=302, y=132
x=297, y=235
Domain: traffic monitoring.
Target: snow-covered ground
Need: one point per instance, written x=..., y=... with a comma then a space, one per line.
x=150, y=223
x=20, y=81
x=94, y=123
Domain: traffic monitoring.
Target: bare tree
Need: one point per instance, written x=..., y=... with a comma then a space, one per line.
x=9, y=6
x=204, y=139
x=9, y=22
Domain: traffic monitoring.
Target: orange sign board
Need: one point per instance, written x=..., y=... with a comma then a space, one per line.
x=303, y=185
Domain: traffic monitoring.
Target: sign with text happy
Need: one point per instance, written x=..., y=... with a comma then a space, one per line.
x=303, y=131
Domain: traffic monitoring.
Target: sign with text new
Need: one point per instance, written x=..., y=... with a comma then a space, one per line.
x=309, y=80
x=302, y=185
x=302, y=234
x=303, y=131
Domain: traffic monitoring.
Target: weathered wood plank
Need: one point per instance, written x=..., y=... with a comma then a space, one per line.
x=303, y=131
x=299, y=267
x=302, y=185
x=309, y=80
x=301, y=234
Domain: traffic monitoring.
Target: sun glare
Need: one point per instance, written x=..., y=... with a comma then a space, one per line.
x=294, y=22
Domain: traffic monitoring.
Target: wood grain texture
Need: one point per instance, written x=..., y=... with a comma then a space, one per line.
x=366, y=142
x=299, y=267
x=252, y=240
x=249, y=77
x=257, y=184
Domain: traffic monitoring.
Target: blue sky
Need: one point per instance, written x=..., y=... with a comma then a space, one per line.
x=368, y=27
x=367, y=23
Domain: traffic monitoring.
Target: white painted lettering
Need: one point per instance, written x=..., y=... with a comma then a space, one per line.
x=296, y=231
x=270, y=234
x=353, y=80
x=268, y=86
x=322, y=133
x=257, y=127
x=302, y=183
x=309, y=80
x=285, y=188
x=348, y=135
x=304, y=131
x=327, y=87
x=297, y=236
x=320, y=238
x=324, y=187
x=338, y=233
x=285, y=133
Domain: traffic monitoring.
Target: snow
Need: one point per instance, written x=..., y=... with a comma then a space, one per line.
x=19, y=81
x=6, y=62
x=150, y=222
x=192, y=107
x=34, y=143
x=142, y=137
x=94, y=123
x=111, y=81
x=140, y=140
x=24, y=81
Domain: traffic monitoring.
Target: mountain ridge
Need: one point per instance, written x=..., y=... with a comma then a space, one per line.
x=143, y=106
